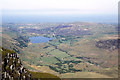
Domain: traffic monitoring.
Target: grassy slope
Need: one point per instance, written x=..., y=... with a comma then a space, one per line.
x=84, y=75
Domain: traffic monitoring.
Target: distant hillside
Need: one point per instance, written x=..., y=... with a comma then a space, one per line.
x=12, y=68
x=13, y=40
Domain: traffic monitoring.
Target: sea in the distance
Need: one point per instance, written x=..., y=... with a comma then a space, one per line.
x=59, y=18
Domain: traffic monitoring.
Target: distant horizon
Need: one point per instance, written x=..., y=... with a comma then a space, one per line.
x=59, y=18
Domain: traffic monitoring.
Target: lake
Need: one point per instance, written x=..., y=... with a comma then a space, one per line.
x=39, y=39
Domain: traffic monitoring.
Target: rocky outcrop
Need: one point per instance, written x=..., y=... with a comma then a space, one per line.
x=111, y=44
x=12, y=69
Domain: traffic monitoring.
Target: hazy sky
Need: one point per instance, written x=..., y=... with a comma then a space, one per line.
x=60, y=6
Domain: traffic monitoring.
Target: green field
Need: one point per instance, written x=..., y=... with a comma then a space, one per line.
x=59, y=54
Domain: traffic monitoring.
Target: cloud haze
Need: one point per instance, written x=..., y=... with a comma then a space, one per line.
x=60, y=6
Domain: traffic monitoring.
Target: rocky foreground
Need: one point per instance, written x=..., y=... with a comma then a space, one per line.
x=12, y=68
